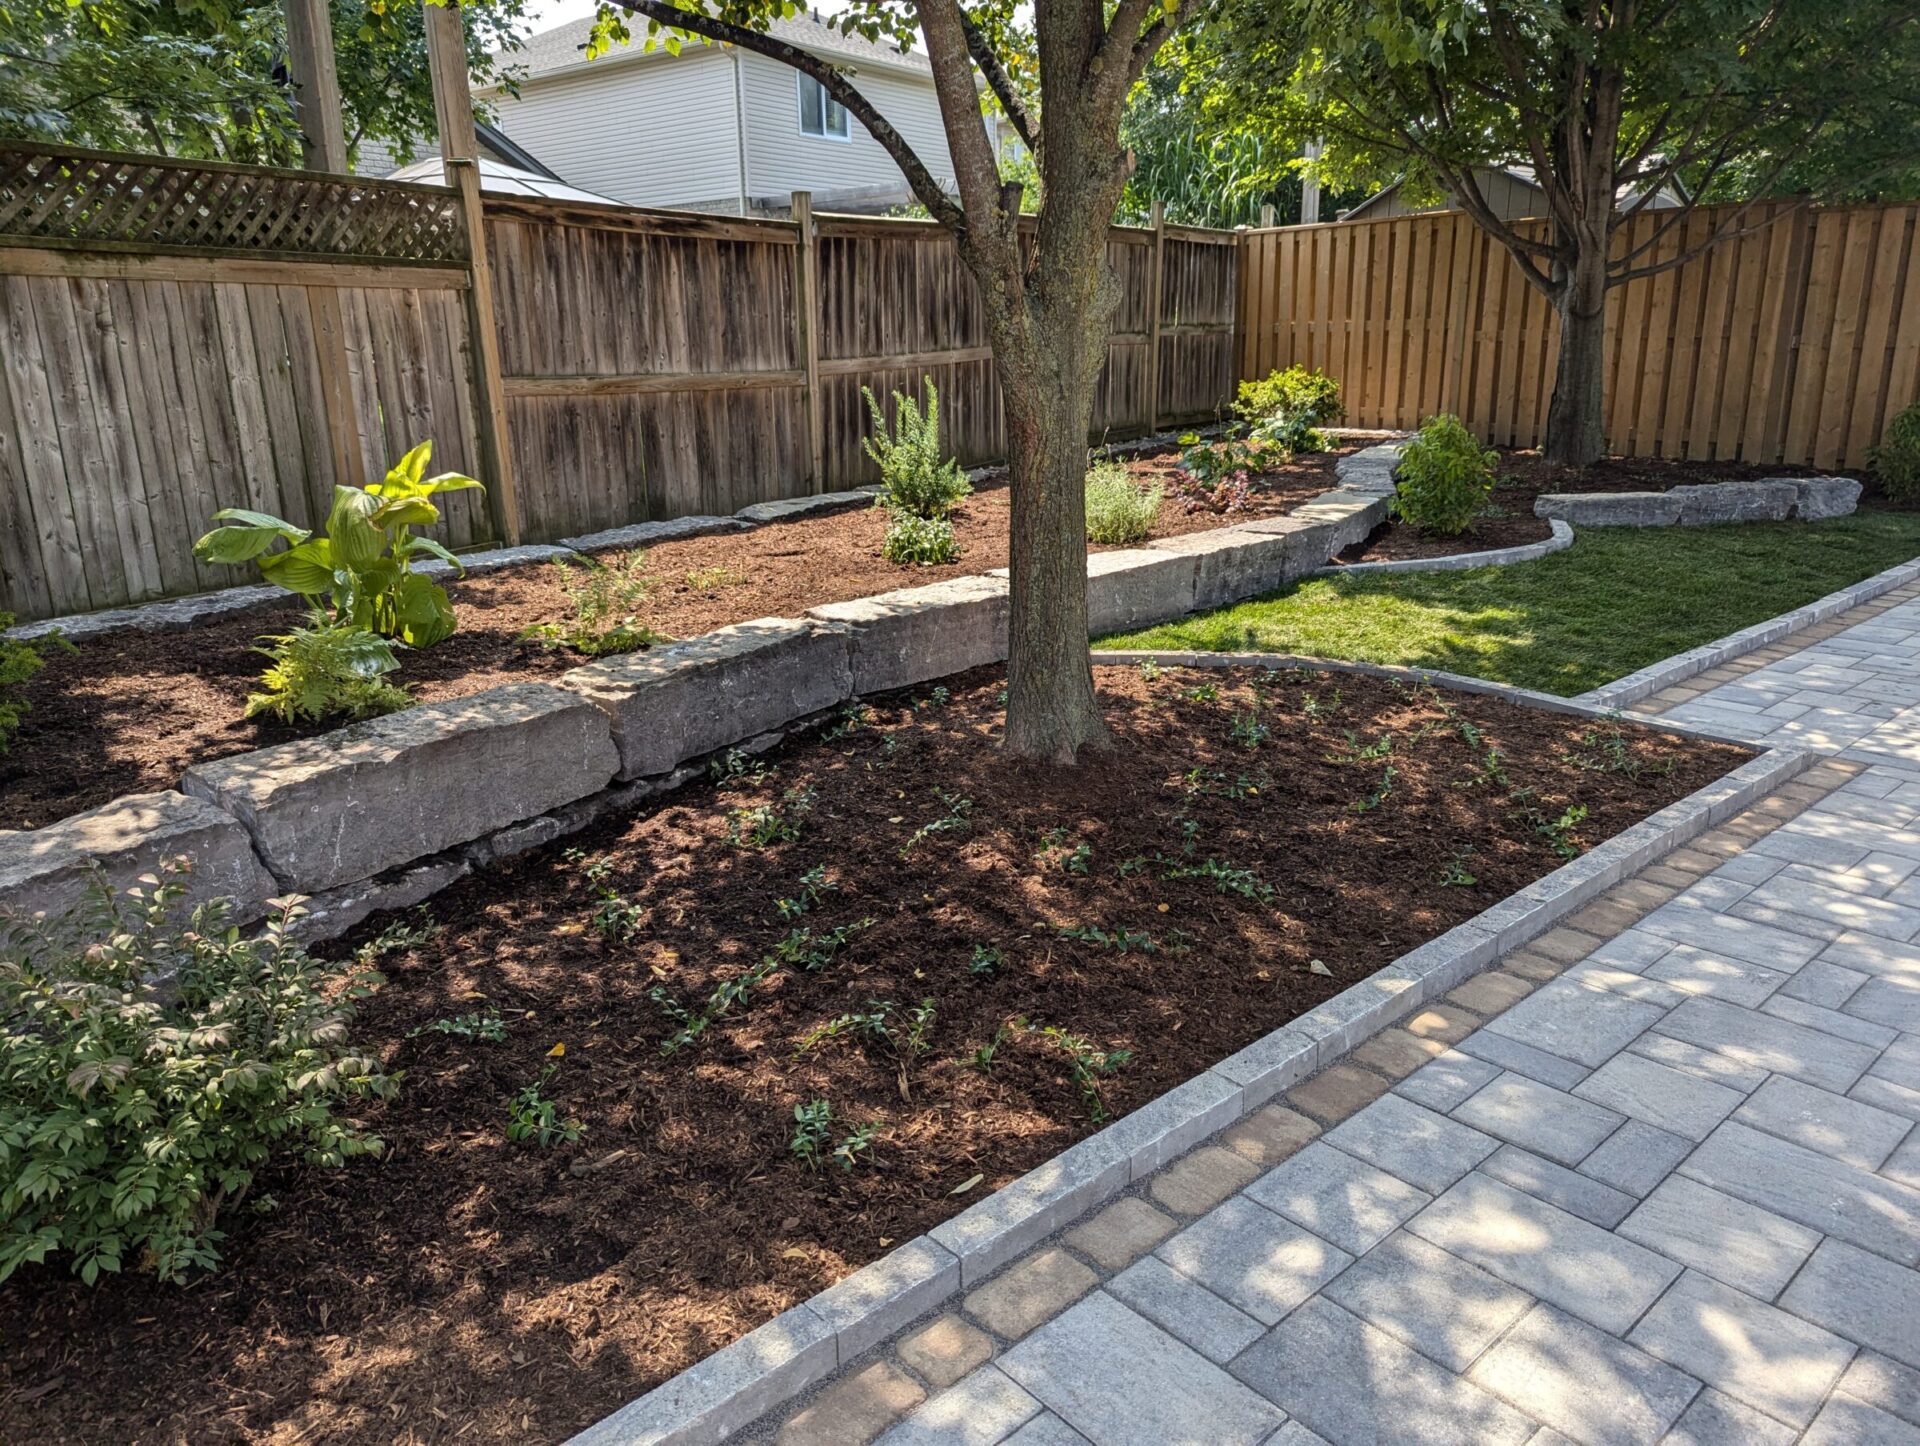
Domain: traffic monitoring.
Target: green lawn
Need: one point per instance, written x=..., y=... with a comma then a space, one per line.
x=1618, y=599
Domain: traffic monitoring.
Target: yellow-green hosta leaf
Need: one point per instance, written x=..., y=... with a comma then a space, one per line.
x=357, y=541
x=403, y=479
x=405, y=512
x=307, y=569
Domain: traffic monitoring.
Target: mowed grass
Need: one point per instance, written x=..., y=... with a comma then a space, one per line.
x=1617, y=600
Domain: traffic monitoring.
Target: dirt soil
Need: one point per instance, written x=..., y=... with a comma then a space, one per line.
x=1524, y=475
x=128, y=712
x=1159, y=905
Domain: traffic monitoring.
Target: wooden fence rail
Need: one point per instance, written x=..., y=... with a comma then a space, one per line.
x=177, y=337
x=1791, y=345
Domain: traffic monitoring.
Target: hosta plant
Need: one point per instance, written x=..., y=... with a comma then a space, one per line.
x=326, y=669
x=361, y=568
x=149, y=1071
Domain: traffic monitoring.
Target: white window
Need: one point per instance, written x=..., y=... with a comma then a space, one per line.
x=820, y=113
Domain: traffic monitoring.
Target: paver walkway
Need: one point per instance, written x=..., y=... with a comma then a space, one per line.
x=1656, y=1178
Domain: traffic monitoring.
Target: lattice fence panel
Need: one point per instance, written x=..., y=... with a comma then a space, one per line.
x=74, y=197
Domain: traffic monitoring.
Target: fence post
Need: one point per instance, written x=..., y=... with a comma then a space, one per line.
x=1156, y=291
x=316, y=85
x=806, y=334
x=1266, y=216
x=459, y=153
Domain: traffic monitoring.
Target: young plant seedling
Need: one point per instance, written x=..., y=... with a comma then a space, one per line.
x=1087, y=1064
x=957, y=819
x=487, y=1028
x=986, y=959
x=770, y=823
x=814, y=886
x=531, y=1116
x=813, y=1142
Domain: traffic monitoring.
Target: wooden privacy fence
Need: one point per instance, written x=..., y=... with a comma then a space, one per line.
x=1791, y=345
x=184, y=336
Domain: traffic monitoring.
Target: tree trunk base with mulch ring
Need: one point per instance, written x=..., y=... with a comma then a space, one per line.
x=972, y=962
x=129, y=711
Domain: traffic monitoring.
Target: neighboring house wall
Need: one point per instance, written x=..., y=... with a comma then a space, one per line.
x=657, y=131
x=781, y=160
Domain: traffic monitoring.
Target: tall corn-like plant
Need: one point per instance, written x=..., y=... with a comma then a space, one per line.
x=362, y=567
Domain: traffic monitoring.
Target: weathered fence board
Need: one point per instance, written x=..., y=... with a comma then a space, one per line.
x=1792, y=344
x=180, y=337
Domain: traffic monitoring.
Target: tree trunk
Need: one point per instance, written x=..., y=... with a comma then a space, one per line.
x=1051, y=712
x=1576, y=419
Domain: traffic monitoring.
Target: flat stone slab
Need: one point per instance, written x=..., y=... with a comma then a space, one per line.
x=1444, y=1308
x=680, y=700
x=44, y=872
x=169, y=616
x=353, y=803
x=1584, y=1383
x=645, y=534
x=785, y=509
x=1233, y=563
x=920, y=633
x=1698, y=504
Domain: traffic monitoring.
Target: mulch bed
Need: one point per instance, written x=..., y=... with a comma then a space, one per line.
x=128, y=712
x=1525, y=475
x=466, y=1287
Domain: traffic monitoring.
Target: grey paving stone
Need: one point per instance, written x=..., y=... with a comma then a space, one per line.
x=1718, y=976
x=1878, y=957
x=1294, y=1434
x=1834, y=1125
x=1337, y=1197
x=1047, y=1429
x=1707, y=1064
x=1646, y=988
x=1742, y=938
x=1444, y=1308
x=1585, y=1025
x=1447, y=1079
x=1887, y=1384
x=1827, y=985
x=1185, y=1309
x=1583, y=1196
x=1768, y=1043
x=1647, y=1090
x=1523, y=1059
x=1636, y=1157
x=1904, y=1163
x=1736, y=1243
x=1717, y=1420
x=1253, y=1258
x=1884, y=1094
x=1426, y=1150
x=1590, y=1385
x=1834, y=1198
x=981, y=1410
x=1892, y=1002
x=1862, y=1296
x=1546, y=1251
x=1831, y=1021
x=1118, y=1379
x=1900, y=1063
x=1773, y=1361
x=1806, y=907
x=1844, y=1421
x=1309, y=1364
x=1539, y=1118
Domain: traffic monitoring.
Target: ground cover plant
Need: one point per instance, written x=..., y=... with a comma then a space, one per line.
x=1119, y=510
x=1617, y=600
x=893, y=1028
x=128, y=712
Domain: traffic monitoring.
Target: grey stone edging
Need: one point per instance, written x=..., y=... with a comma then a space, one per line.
x=1697, y=504
x=1624, y=692
x=778, y=1361
x=1560, y=540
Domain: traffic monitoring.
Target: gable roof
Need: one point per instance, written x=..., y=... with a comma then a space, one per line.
x=1623, y=196
x=563, y=47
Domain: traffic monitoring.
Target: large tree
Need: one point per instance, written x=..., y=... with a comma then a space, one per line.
x=1048, y=299
x=1611, y=102
x=206, y=78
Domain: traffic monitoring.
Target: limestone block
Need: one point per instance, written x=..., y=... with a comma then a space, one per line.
x=920, y=633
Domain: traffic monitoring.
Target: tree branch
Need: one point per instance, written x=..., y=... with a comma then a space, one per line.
x=938, y=203
x=1011, y=101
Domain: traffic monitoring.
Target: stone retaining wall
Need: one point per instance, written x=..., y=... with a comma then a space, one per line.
x=382, y=813
x=1773, y=499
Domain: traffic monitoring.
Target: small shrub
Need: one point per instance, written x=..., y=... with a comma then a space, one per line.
x=363, y=566
x=928, y=542
x=1117, y=509
x=915, y=479
x=1896, y=461
x=19, y=661
x=326, y=669
x=1308, y=395
x=1445, y=478
x=604, y=598
x=131, y=1113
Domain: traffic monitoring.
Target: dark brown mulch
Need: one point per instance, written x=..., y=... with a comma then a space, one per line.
x=1525, y=475
x=127, y=713
x=466, y=1287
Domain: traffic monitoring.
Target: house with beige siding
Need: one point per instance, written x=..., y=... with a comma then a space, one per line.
x=716, y=128
x=1511, y=192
